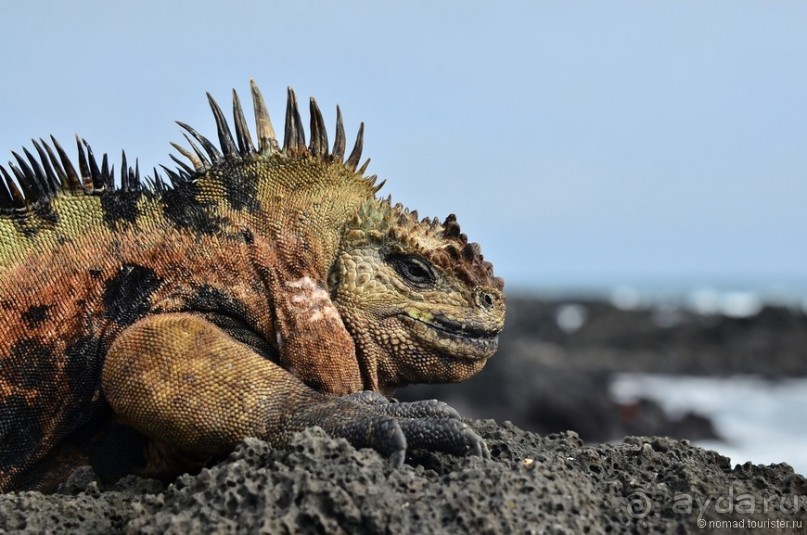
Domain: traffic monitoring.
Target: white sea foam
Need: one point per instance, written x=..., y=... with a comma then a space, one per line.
x=571, y=317
x=735, y=303
x=761, y=421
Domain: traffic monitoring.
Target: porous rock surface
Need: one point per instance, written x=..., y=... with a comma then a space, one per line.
x=532, y=484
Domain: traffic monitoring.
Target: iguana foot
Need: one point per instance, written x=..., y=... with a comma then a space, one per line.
x=370, y=420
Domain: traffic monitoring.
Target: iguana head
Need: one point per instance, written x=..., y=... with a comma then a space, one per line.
x=419, y=299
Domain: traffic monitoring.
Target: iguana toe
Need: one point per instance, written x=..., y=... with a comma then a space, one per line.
x=430, y=409
x=446, y=435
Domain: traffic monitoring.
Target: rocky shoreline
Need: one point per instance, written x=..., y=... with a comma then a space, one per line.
x=531, y=484
x=540, y=480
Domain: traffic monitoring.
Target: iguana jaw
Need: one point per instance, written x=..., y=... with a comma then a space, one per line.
x=466, y=341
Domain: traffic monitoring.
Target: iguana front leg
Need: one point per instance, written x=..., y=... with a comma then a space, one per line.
x=312, y=340
x=182, y=381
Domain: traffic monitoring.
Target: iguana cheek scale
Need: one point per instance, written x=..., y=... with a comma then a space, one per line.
x=147, y=325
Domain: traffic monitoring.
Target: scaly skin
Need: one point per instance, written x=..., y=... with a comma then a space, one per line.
x=148, y=330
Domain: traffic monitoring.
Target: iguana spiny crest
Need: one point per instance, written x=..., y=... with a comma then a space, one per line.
x=277, y=264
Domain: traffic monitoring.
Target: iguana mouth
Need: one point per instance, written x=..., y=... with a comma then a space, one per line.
x=463, y=340
x=466, y=330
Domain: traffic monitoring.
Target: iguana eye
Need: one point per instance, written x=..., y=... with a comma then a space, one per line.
x=413, y=269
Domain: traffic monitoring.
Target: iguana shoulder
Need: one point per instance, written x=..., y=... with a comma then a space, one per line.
x=255, y=290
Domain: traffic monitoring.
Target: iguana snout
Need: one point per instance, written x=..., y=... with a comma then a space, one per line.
x=471, y=339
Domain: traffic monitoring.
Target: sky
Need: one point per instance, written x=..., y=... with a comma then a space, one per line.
x=581, y=143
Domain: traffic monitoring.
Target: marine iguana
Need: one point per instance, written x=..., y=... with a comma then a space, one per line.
x=147, y=326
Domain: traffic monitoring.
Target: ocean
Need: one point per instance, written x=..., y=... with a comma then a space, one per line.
x=761, y=421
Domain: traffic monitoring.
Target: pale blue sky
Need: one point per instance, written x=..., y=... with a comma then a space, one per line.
x=580, y=142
